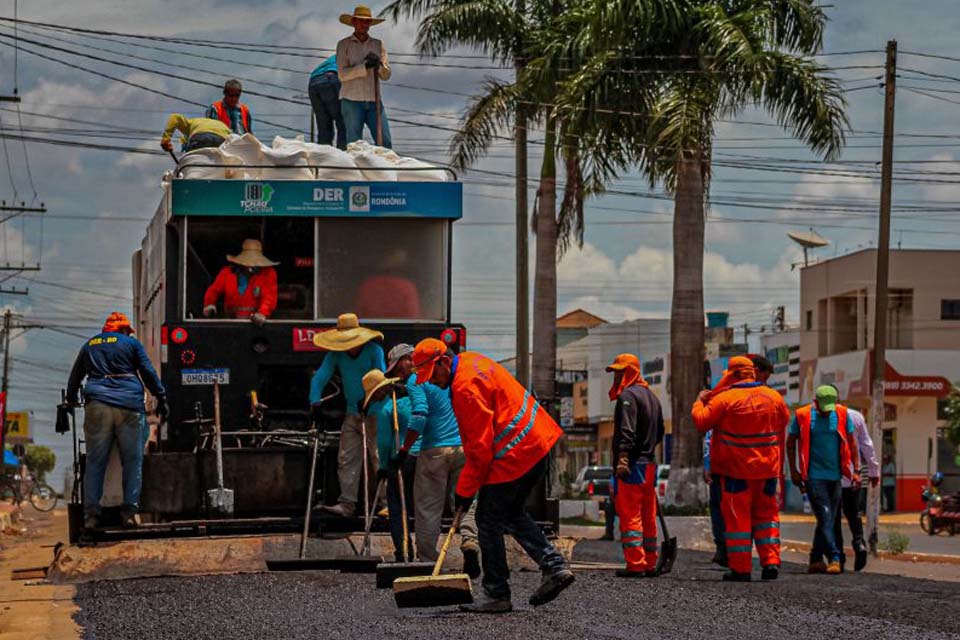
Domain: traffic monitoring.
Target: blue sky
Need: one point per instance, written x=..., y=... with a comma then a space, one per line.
x=623, y=270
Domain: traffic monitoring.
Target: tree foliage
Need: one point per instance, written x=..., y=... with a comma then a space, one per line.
x=40, y=460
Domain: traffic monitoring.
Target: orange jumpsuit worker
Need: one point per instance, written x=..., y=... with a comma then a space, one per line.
x=248, y=286
x=748, y=419
x=637, y=430
x=506, y=438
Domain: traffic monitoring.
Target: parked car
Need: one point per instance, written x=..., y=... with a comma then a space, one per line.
x=594, y=481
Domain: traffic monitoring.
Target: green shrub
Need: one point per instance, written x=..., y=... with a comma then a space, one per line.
x=40, y=460
x=896, y=543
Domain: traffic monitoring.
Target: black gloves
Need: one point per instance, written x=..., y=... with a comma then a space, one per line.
x=163, y=409
x=372, y=61
x=462, y=504
x=384, y=474
x=397, y=460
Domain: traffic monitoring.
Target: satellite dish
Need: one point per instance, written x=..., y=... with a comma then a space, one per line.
x=808, y=240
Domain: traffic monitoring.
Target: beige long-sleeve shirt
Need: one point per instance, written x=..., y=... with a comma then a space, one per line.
x=356, y=81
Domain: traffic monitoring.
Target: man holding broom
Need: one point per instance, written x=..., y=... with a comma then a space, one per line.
x=506, y=439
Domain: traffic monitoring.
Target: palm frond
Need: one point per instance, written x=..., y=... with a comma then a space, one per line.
x=484, y=119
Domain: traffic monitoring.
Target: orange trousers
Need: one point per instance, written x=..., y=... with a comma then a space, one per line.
x=636, y=505
x=750, y=515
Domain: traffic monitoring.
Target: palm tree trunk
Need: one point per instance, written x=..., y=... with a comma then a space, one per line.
x=686, y=331
x=545, y=278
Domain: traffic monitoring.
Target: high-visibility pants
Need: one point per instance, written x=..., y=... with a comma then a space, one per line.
x=751, y=515
x=636, y=505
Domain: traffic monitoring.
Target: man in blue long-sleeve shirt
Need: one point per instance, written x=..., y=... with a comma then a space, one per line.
x=353, y=351
x=716, y=517
x=116, y=368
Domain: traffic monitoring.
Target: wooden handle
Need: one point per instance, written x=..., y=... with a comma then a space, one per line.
x=403, y=497
x=446, y=543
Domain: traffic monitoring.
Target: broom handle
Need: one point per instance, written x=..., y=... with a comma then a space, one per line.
x=366, y=479
x=403, y=497
x=313, y=471
x=446, y=543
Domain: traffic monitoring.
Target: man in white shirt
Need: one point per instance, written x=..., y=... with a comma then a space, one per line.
x=850, y=497
x=359, y=57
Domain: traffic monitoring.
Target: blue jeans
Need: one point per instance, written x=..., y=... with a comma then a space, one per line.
x=358, y=113
x=324, y=92
x=501, y=510
x=825, y=502
x=394, y=507
x=716, y=515
x=102, y=425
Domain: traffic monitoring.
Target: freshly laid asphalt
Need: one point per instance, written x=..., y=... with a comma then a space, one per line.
x=691, y=602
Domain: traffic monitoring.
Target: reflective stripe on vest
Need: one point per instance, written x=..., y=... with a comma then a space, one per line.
x=224, y=116
x=515, y=423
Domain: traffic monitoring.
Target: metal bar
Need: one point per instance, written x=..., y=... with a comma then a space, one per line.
x=4, y=207
x=326, y=166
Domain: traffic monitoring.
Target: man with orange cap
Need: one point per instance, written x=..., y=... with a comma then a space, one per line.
x=637, y=430
x=114, y=363
x=748, y=419
x=248, y=286
x=506, y=438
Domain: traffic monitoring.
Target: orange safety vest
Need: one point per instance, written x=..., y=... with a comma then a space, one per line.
x=748, y=421
x=224, y=116
x=804, y=420
x=505, y=431
x=260, y=296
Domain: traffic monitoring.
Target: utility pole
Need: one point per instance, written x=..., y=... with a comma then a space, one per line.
x=523, y=230
x=878, y=363
x=6, y=379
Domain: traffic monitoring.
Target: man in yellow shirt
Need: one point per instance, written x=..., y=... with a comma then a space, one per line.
x=200, y=132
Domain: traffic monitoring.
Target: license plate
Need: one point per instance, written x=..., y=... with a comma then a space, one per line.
x=204, y=376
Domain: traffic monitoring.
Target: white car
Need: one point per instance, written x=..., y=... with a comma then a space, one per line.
x=663, y=476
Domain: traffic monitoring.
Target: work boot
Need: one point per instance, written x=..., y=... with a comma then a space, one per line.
x=770, y=572
x=719, y=558
x=817, y=567
x=471, y=560
x=834, y=568
x=131, y=521
x=342, y=509
x=735, y=576
x=626, y=573
x=91, y=522
x=485, y=604
x=607, y=536
x=860, y=557
x=551, y=586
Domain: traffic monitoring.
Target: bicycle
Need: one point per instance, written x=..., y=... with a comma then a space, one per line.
x=41, y=495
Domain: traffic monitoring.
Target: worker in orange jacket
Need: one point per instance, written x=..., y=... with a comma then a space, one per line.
x=748, y=419
x=248, y=286
x=230, y=111
x=637, y=430
x=506, y=437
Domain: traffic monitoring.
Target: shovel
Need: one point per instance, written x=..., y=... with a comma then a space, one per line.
x=390, y=571
x=363, y=562
x=303, y=563
x=219, y=500
x=668, y=550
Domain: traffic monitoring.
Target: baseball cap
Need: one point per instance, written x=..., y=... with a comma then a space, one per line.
x=624, y=361
x=398, y=352
x=827, y=397
x=425, y=356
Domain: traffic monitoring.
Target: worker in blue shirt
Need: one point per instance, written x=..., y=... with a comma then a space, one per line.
x=116, y=368
x=716, y=515
x=380, y=395
x=353, y=351
x=439, y=463
x=324, y=92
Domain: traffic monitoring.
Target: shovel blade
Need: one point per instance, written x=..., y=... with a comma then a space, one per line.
x=668, y=555
x=220, y=501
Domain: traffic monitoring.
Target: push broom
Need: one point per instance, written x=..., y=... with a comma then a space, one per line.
x=435, y=590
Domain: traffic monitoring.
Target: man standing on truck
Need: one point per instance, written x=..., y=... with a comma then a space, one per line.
x=440, y=461
x=116, y=368
x=324, y=92
x=359, y=57
x=637, y=430
x=201, y=132
x=353, y=351
x=230, y=111
x=507, y=440
x=248, y=286
x=747, y=418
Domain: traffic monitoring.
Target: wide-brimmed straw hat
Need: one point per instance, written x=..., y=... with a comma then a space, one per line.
x=251, y=255
x=348, y=334
x=363, y=13
x=373, y=381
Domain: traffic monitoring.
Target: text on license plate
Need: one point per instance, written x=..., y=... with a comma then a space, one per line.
x=204, y=376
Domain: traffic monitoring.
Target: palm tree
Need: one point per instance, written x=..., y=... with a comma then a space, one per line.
x=506, y=32
x=655, y=78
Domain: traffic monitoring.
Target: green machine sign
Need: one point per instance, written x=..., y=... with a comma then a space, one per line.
x=321, y=198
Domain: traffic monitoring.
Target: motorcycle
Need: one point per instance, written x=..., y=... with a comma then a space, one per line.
x=940, y=514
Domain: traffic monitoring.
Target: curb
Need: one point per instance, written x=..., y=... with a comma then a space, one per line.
x=795, y=545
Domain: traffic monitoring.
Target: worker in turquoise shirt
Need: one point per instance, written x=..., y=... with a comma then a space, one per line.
x=379, y=406
x=439, y=463
x=352, y=352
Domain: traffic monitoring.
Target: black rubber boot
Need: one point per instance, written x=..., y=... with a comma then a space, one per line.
x=770, y=572
x=471, y=562
x=719, y=558
x=733, y=576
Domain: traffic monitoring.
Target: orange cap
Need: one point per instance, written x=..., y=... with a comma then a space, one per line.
x=116, y=322
x=624, y=361
x=425, y=355
x=740, y=362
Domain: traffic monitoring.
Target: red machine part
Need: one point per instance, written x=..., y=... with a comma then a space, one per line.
x=179, y=335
